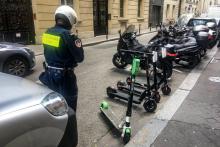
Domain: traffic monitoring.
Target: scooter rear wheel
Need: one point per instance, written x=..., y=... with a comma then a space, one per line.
x=120, y=84
x=110, y=91
x=104, y=105
x=150, y=105
x=156, y=96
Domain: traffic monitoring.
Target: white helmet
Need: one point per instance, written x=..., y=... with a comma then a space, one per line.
x=67, y=14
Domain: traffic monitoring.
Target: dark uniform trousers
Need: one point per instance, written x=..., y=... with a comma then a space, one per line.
x=63, y=82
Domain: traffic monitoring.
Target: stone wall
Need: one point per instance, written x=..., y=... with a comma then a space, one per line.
x=44, y=16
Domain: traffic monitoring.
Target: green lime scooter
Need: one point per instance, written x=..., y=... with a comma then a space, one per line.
x=123, y=126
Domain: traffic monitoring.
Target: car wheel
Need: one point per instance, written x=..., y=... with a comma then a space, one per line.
x=16, y=66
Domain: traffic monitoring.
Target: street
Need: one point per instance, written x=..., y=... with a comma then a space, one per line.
x=95, y=74
x=185, y=42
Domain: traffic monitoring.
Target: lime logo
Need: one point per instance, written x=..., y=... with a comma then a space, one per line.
x=51, y=40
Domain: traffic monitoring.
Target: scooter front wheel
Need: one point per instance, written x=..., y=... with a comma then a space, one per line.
x=150, y=105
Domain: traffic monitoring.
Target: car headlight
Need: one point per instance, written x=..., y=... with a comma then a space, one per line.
x=55, y=104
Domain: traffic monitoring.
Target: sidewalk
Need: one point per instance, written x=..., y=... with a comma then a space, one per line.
x=196, y=123
x=38, y=49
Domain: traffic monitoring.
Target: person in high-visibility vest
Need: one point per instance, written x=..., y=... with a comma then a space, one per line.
x=63, y=51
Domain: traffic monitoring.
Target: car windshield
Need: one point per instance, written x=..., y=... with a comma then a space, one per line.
x=195, y=22
x=184, y=19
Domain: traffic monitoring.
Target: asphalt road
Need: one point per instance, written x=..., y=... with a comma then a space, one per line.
x=94, y=75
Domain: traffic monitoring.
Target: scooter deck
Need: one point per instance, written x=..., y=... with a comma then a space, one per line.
x=137, y=90
x=112, y=117
x=125, y=96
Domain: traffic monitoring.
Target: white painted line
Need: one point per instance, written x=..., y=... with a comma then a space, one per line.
x=193, y=76
x=148, y=134
x=190, y=81
x=214, y=79
x=172, y=105
x=176, y=70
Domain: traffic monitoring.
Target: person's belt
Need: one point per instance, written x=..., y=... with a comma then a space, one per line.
x=57, y=68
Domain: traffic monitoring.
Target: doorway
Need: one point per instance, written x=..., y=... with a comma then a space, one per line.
x=156, y=15
x=16, y=21
x=100, y=17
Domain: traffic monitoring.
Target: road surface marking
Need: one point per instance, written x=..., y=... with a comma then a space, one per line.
x=176, y=70
x=214, y=79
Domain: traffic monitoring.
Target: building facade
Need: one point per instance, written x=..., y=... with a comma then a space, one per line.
x=170, y=12
x=96, y=17
x=190, y=6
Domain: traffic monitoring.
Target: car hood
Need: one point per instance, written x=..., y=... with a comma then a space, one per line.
x=17, y=93
x=11, y=44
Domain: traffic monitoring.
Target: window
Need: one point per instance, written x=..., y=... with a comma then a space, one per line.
x=121, y=8
x=139, y=8
x=167, y=13
x=67, y=2
x=173, y=11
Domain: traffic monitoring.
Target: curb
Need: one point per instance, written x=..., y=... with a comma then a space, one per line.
x=112, y=39
x=103, y=41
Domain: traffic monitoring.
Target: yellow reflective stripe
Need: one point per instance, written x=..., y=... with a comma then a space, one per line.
x=51, y=40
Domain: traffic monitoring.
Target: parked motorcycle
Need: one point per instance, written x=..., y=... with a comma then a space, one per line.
x=128, y=41
x=189, y=48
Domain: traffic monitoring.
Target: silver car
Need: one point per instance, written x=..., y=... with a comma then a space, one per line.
x=16, y=59
x=32, y=115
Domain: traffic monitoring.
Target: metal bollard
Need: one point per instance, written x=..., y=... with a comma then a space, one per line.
x=139, y=29
x=150, y=25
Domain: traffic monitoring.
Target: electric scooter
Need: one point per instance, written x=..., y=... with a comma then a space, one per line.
x=123, y=126
x=141, y=88
x=149, y=104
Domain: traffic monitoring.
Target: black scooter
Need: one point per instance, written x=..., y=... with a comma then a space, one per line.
x=123, y=126
x=149, y=98
x=146, y=89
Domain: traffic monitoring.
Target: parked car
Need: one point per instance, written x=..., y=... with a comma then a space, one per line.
x=16, y=59
x=203, y=21
x=200, y=21
x=32, y=115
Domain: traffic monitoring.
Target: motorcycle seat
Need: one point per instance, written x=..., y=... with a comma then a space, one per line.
x=186, y=42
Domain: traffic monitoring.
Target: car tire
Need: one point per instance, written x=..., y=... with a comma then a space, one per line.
x=17, y=66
